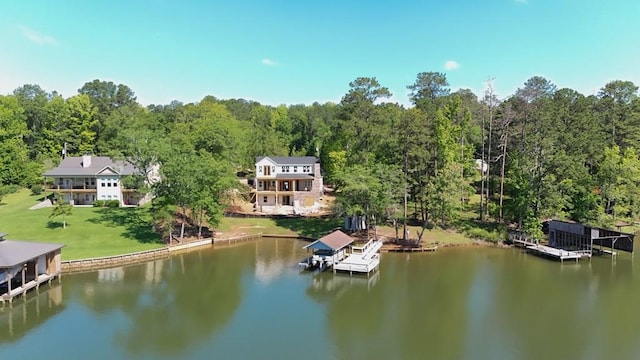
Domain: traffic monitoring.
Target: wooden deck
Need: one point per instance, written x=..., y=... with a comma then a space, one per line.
x=358, y=264
x=363, y=259
x=551, y=252
x=431, y=248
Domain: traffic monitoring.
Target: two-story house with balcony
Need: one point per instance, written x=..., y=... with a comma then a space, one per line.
x=288, y=185
x=81, y=180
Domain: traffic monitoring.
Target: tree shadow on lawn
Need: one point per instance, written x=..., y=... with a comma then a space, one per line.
x=136, y=227
x=471, y=223
x=313, y=227
x=51, y=224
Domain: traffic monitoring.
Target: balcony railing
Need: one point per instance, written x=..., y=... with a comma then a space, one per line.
x=71, y=187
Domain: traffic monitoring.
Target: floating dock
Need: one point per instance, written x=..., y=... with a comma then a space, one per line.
x=335, y=251
x=551, y=252
x=558, y=254
x=363, y=259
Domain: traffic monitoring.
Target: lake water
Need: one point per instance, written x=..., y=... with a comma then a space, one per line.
x=249, y=301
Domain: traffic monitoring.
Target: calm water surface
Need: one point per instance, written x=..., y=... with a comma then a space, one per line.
x=248, y=301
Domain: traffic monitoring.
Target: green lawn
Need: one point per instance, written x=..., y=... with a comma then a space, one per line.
x=317, y=227
x=95, y=232
x=90, y=232
x=310, y=227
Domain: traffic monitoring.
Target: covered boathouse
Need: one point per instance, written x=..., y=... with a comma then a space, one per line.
x=327, y=251
x=577, y=237
x=24, y=265
x=568, y=240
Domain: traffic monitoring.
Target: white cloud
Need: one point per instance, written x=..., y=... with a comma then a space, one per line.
x=269, y=62
x=37, y=38
x=451, y=65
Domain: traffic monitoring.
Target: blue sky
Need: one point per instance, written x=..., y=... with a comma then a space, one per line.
x=298, y=51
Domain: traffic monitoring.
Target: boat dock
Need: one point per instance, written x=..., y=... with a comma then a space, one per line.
x=335, y=251
x=363, y=259
x=25, y=265
x=551, y=252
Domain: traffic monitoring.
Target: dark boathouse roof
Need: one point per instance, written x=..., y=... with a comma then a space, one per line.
x=13, y=252
x=334, y=241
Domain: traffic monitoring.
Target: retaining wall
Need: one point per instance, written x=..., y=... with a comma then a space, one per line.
x=70, y=266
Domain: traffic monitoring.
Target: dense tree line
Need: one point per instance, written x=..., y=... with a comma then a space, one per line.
x=549, y=152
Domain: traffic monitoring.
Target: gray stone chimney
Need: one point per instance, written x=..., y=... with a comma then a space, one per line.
x=86, y=160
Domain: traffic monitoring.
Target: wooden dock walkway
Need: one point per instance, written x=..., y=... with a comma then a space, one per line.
x=551, y=252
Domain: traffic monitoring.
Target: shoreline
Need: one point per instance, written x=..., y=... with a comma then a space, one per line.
x=105, y=262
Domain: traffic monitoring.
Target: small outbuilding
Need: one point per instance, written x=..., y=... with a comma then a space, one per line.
x=328, y=250
x=24, y=265
x=575, y=236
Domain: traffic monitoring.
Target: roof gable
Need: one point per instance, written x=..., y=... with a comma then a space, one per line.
x=334, y=241
x=108, y=170
x=289, y=160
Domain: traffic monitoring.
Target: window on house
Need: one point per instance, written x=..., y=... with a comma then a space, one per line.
x=109, y=184
x=267, y=170
x=273, y=169
x=102, y=184
x=264, y=199
x=260, y=184
x=295, y=169
x=259, y=169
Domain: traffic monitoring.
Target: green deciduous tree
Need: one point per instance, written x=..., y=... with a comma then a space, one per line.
x=63, y=209
x=15, y=166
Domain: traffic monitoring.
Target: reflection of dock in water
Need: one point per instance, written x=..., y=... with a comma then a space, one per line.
x=17, y=319
x=336, y=284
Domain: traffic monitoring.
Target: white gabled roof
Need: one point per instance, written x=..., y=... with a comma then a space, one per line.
x=289, y=160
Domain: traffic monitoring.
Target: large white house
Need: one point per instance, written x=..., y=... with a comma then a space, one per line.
x=288, y=184
x=81, y=180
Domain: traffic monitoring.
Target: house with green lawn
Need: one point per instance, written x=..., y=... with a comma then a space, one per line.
x=81, y=180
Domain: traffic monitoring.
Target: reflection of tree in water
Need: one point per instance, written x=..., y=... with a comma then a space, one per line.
x=578, y=311
x=199, y=295
x=24, y=315
x=402, y=315
x=182, y=304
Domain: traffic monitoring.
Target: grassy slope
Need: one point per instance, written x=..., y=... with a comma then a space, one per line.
x=317, y=227
x=93, y=232
x=90, y=232
x=311, y=227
